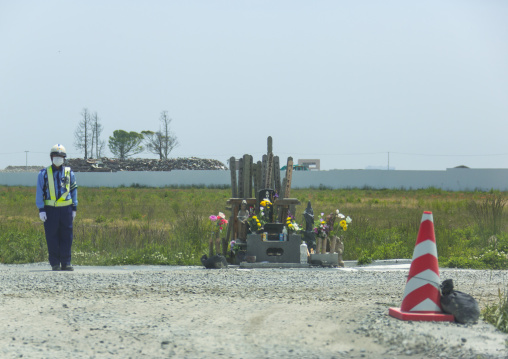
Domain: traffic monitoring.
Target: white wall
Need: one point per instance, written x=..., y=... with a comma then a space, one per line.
x=453, y=179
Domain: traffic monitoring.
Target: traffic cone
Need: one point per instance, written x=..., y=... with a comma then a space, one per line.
x=422, y=298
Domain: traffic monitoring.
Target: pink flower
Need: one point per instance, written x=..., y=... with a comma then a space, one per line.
x=213, y=218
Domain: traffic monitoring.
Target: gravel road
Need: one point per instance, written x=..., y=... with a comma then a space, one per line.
x=191, y=312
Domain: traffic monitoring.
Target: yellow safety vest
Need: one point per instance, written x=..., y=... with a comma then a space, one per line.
x=62, y=201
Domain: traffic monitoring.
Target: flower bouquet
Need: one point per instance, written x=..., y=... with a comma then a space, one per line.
x=254, y=223
x=343, y=224
x=336, y=242
x=324, y=228
x=321, y=227
x=293, y=227
x=265, y=208
x=219, y=222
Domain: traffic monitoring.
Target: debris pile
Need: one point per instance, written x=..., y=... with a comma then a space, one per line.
x=133, y=164
x=143, y=164
x=22, y=169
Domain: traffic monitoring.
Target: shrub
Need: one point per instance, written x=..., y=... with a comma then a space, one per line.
x=460, y=262
x=494, y=259
x=364, y=259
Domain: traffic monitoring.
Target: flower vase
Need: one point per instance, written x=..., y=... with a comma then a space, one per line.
x=217, y=244
x=323, y=245
x=333, y=244
x=340, y=250
x=210, y=245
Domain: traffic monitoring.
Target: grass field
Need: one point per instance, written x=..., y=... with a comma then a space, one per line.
x=171, y=226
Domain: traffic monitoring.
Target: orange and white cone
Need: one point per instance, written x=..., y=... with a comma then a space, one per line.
x=422, y=298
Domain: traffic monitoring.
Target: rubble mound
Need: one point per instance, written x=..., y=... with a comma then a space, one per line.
x=143, y=164
x=22, y=169
x=133, y=164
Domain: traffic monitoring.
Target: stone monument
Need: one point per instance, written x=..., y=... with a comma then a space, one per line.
x=309, y=236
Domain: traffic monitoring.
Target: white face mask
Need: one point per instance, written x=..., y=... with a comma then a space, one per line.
x=58, y=161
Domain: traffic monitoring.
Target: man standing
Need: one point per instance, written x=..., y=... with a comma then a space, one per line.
x=57, y=200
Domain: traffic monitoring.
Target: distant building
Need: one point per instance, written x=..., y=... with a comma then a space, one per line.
x=313, y=164
x=296, y=168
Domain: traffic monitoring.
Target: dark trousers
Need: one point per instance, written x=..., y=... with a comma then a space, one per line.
x=58, y=228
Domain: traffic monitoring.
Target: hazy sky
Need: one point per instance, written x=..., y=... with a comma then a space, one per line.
x=344, y=81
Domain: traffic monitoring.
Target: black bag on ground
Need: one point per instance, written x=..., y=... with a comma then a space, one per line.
x=462, y=306
x=215, y=262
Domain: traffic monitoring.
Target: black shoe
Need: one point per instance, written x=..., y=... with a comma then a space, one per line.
x=57, y=267
x=67, y=268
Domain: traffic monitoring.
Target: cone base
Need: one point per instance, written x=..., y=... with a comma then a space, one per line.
x=421, y=316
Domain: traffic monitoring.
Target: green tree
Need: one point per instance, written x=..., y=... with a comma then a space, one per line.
x=124, y=144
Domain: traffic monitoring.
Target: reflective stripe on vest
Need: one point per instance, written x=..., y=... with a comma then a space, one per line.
x=61, y=202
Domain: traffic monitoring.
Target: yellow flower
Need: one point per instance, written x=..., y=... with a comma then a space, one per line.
x=343, y=223
x=259, y=224
x=265, y=203
x=256, y=218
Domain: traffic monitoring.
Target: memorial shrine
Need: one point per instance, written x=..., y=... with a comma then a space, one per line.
x=260, y=225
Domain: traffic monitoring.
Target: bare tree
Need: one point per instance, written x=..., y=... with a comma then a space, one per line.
x=96, y=142
x=83, y=133
x=169, y=141
x=163, y=141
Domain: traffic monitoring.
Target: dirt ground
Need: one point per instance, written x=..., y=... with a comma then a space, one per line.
x=138, y=312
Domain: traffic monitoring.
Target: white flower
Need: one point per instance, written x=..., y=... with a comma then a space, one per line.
x=222, y=215
x=348, y=219
x=338, y=214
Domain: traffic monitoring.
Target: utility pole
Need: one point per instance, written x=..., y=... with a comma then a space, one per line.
x=388, y=161
x=26, y=159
